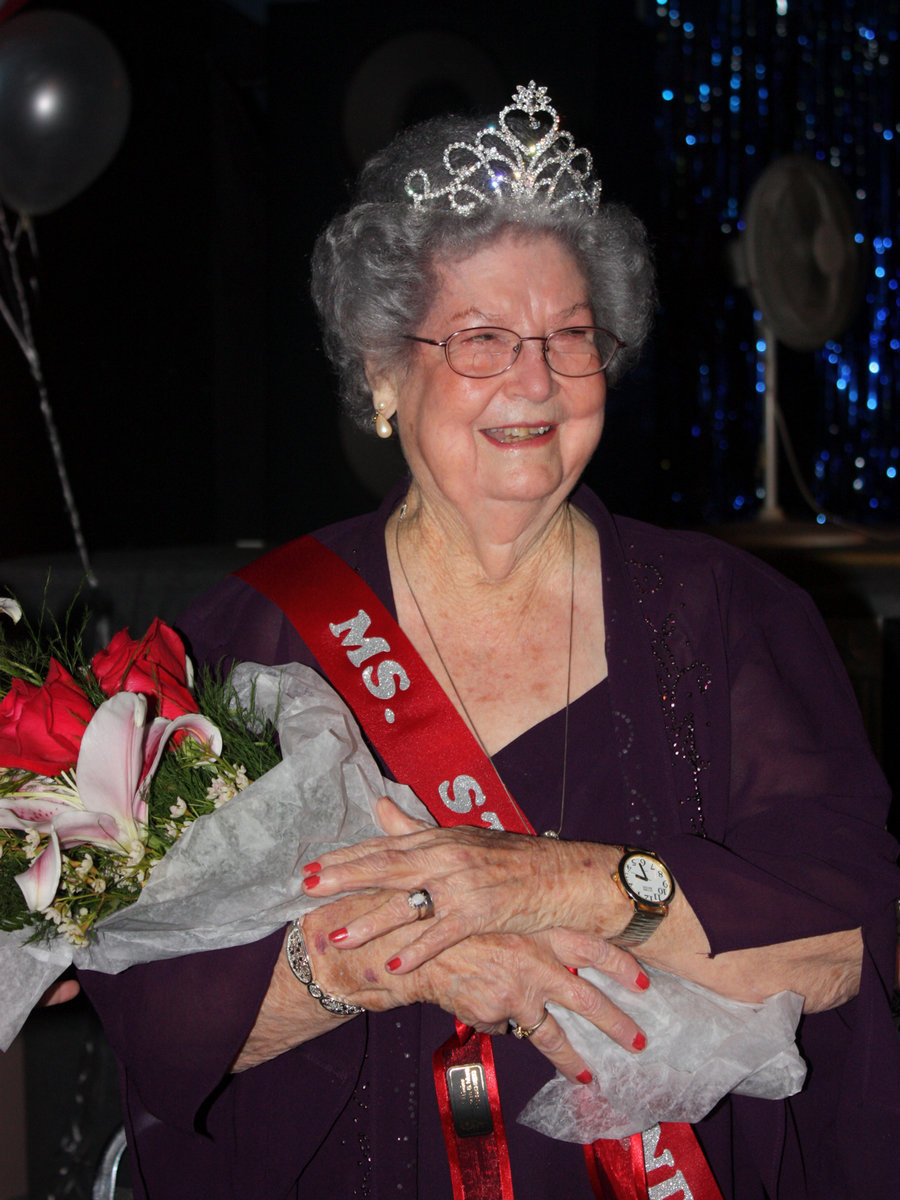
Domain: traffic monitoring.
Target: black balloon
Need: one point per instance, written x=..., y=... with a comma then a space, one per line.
x=64, y=104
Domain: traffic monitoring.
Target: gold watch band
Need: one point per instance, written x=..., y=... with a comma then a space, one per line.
x=639, y=928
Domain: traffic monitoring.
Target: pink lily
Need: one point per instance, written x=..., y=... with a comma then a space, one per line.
x=104, y=803
x=40, y=881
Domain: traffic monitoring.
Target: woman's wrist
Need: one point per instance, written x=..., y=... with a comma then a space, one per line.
x=358, y=976
x=287, y=1017
x=594, y=903
x=298, y=960
x=290, y=1015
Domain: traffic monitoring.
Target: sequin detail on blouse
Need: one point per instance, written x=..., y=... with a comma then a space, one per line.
x=678, y=672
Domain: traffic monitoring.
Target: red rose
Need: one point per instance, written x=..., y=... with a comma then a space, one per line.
x=154, y=666
x=41, y=727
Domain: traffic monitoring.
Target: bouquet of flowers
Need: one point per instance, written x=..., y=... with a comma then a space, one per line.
x=118, y=776
x=103, y=765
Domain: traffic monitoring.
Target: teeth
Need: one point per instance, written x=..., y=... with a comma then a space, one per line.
x=518, y=433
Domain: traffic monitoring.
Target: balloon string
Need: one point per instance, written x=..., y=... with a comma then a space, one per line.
x=23, y=332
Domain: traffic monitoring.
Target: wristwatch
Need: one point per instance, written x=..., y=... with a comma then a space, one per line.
x=647, y=882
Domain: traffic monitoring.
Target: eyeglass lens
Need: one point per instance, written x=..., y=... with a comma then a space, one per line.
x=488, y=351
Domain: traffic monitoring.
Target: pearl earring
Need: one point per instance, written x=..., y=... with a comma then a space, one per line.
x=383, y=427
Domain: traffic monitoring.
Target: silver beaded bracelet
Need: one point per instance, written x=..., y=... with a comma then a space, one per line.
x=298, y=961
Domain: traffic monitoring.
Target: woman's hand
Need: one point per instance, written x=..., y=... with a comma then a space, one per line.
x=484, y=982
x=60, y=992
x=488, y=980
x=480, y=882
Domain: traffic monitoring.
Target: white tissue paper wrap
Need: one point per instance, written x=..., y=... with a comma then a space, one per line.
x=700, y=1046
x=235, y=876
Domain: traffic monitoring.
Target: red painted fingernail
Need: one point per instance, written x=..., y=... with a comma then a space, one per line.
x=337, y=935
x=584, y=1077
x=639, y=1042
x=642, y=981
x=393, y=964
x=312, y=881
x=311, y=867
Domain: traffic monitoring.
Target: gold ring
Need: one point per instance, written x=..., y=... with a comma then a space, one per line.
x=523, y=1034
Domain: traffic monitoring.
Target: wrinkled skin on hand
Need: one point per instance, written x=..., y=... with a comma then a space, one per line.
x=513, y=923
x=484, y=981
x=481, y=882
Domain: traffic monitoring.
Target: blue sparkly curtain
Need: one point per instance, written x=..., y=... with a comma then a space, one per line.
x=741, y=82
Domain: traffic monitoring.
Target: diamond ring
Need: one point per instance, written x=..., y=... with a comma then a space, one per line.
x=522, y=1033
x=421, y=903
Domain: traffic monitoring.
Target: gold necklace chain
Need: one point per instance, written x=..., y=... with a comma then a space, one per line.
x=551, y=833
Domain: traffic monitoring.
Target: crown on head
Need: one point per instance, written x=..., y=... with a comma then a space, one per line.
x=540, y=161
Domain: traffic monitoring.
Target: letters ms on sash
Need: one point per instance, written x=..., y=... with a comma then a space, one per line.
x=383, y=681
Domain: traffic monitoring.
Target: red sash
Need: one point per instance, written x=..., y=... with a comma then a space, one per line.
x=410, y=720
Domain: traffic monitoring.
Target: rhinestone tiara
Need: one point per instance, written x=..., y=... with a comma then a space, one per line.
x=541, y=162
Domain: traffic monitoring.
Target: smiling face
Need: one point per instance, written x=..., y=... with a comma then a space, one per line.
x=523, y=436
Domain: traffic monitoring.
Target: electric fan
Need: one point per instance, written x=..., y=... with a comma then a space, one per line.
x=799, y=260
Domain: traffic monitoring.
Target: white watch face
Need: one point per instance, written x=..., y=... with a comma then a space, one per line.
x=647, y=879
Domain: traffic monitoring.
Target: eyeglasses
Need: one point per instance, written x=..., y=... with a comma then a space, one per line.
x=485, y=351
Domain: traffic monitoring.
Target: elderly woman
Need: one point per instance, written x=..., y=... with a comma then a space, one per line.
x=630, y=687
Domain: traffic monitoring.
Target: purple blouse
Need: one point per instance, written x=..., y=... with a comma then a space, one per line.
x=726, y=738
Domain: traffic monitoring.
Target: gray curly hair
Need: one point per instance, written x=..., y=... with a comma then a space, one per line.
x=374, y=266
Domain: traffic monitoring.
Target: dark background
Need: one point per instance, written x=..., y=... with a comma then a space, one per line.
x=178, y=342
x=171, y=309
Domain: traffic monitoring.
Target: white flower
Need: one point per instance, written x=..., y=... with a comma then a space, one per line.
x=224, y=787
x=179, y=808
x=136, y=850
x=82, y=868
x=11, y=608
x=73, y=933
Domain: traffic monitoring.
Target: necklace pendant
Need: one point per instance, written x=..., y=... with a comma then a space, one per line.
x=550, y=833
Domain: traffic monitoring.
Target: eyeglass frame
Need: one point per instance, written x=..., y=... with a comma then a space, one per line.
x=619, y=345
